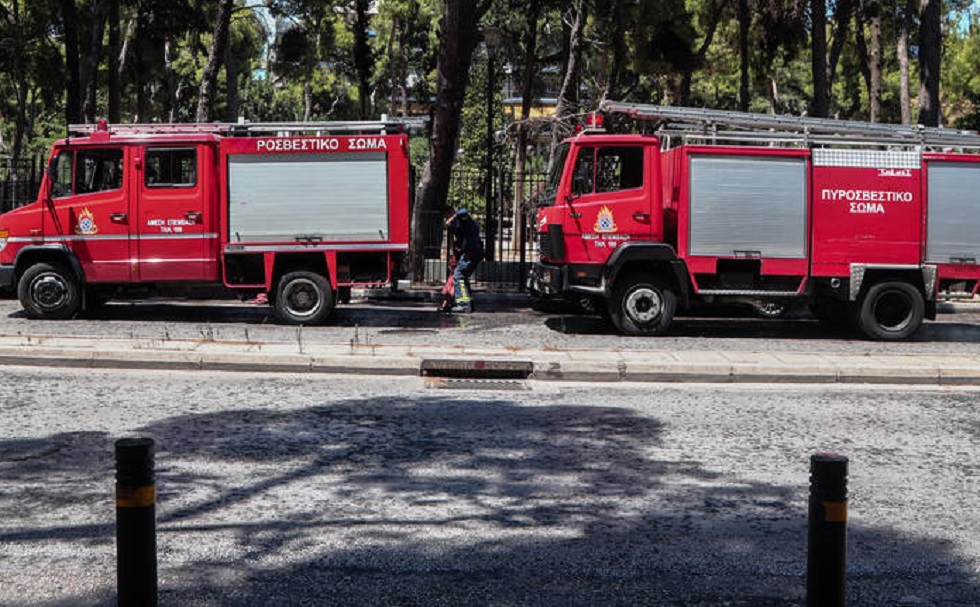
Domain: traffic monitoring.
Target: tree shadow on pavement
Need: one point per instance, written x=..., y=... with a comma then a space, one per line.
x=413, y=314
x=439, y=501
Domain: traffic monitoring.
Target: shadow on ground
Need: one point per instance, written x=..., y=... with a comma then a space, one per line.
x=799, y=327
x=435, y=501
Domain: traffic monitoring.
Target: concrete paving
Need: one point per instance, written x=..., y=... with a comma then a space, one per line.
x=478, y=362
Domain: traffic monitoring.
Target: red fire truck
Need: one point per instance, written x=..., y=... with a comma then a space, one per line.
x=301, y=212
x=865, y=223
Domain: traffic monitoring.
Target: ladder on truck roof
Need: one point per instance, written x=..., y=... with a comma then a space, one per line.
x=770, y=128
x=247, y=129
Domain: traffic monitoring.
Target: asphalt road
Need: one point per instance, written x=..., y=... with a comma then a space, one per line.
x=300, y=490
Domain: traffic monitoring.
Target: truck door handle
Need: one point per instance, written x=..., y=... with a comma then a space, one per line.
x=641, y=216
x=193, y=216
x=118, y=217
x=575, y=215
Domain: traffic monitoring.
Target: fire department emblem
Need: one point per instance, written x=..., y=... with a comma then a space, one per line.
x=605, y=223
x=86, y=223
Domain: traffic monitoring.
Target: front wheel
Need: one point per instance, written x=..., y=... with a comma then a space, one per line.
x=304, y=298
x=642, y=305
x=891, y=311
x=49, y=291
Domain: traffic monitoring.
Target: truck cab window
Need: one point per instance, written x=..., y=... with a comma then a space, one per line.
x=583, y=179
x=608, y=169
x=171, y=168
x=619, y=168
x=62, y=164
x=98, y=170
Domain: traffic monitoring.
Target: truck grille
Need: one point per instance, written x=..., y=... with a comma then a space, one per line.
x=544, y=244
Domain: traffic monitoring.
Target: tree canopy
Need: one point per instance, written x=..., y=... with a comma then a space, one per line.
x=65, y=61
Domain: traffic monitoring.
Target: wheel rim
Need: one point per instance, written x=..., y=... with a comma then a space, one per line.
x=644, y=305
x=301, y=298
x=50, y=291
x=893, y=311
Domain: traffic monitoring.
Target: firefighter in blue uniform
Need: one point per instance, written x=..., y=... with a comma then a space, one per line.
x=468, y=251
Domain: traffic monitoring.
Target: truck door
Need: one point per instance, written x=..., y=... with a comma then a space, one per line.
x=609, y=204
x=173, y=235
x=91, y=211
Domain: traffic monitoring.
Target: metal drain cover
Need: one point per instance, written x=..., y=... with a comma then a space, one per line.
x=476, y=369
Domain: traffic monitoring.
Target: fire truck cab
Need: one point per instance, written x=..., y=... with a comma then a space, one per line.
x=867, y=224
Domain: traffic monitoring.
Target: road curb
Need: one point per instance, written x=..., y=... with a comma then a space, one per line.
x=543, y=365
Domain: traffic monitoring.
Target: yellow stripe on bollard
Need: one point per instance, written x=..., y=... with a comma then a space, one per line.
x=836, y=512
x=136, y=497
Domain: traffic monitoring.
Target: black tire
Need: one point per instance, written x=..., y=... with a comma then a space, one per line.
x=642, y=305
x=891, y=311
x=303, y=298
x=49, y=291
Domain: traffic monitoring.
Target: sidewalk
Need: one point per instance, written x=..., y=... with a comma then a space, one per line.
x=477, y=363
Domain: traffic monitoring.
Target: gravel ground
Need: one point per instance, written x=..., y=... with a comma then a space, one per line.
x=288, y=490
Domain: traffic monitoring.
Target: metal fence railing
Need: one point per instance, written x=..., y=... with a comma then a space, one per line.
x=19, y=182
x=506, y=219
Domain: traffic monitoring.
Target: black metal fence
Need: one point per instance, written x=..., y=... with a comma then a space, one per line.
x=506, y=217
x=19, y=182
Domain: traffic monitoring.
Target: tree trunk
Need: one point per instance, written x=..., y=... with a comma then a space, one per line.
x=864, y=58
x=458, y=37
x=395, y=78
x=90, y=68
x=231, y=84
x=903, y=63
x=142, y=107
x=874, y=90
x=73, y=104
x=209, y=80
x=20, y=77
x=617, y=66
x=523, y=128
x=821, y=88
x=568, y=96
x=362, y=58
x=114, y=62
x=744, y=18
x=717, y=10
x=930, y=49
x=842, y=23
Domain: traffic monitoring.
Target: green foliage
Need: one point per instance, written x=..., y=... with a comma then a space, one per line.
x=306, y=68
x=960, y=77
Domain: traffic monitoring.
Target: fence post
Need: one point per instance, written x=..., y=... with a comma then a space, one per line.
x=136, y=545
x=827, y=531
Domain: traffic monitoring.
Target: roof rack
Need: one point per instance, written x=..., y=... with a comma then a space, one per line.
x=767, y=128
x=245, y=128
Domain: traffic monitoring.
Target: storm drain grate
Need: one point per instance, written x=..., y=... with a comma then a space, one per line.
x=476, y=369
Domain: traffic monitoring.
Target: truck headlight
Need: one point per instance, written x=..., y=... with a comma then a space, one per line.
x=3, y=238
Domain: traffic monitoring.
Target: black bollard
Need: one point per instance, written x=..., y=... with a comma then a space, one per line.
x=136, y=542
x=827, y=533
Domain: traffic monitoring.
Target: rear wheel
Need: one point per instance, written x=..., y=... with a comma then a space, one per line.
x=642, y=305
x=49, y=291
x=304, y=298
x=891, y=311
